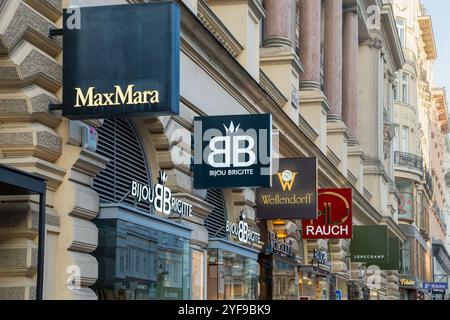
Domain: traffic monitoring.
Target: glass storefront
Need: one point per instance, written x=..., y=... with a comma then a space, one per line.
x=314, y=284
x=141, y=263
x=341, y=289
x=278, y=278
x=231, y=276
x=198, y=275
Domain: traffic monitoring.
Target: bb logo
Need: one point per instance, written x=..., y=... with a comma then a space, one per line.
x=232, y=149
x=287, y=178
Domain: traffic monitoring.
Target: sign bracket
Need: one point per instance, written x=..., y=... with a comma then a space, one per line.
x=55, y=32
x=54, y=106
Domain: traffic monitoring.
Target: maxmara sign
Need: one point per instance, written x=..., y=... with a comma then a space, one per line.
x=160, y=197
x=123, y=60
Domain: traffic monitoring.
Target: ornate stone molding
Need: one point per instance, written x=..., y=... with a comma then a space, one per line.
x=270, y=88
x=218, y=29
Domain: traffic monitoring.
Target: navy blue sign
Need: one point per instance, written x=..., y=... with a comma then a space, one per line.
x=122, y=60
x=232, y=151
x=435, y=285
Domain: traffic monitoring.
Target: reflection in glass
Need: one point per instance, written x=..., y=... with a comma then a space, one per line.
x=139, y=263
x=198, y=277
x=231, y=276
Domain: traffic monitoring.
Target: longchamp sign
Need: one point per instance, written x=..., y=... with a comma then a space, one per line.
x=123, y=60
x=369, y=244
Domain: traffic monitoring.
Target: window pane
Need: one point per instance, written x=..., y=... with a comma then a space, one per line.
x=157, y=264
x=405, y=139
x=231, y=276
x=405, y=205
x=198, y=282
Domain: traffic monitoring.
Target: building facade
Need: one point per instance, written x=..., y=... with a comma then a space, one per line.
x=421, y=124
x=329, y=73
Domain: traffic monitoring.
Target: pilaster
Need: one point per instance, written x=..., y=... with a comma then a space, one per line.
x=313, y=108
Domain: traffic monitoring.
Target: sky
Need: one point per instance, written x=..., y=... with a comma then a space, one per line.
x=439, y=10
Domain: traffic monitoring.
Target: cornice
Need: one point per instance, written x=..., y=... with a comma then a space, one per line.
x=213, y=58
x=218, y=29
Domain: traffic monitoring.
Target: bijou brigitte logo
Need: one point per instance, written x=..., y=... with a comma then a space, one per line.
x=160, y=197
x=234, y=153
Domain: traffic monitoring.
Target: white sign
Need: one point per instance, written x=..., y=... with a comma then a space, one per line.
x=242, y=231
x=160, y=197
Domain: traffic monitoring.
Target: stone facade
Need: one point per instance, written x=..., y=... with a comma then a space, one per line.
x=330, y=94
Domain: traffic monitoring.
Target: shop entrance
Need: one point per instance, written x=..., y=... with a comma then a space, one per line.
x=14, y=182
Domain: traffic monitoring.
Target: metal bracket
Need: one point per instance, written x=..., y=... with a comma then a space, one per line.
x=54, y=107
x=54, y=32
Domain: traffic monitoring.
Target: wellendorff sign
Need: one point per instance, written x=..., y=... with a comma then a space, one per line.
x=294, y=191
x=115, y=68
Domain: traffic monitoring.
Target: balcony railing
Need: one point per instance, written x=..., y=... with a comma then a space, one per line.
x=409, y=160
x=428, y=180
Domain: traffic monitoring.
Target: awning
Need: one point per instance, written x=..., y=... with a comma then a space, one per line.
x=16, y=182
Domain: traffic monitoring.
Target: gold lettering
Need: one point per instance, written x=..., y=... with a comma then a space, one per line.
x=118, y=97
x=155, y=97
x=98, y=100
x=126, y=98
x=138, y=97
x=83, y=100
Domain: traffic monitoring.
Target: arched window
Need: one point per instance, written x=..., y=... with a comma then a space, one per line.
x=119, y=142
x=216, y=221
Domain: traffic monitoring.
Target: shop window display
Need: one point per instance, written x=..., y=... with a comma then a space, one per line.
x=139, y=263
x=231, y=276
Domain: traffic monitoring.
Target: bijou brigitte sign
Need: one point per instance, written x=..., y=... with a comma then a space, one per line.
x=160, y=197
x=242, y=231
x=115, y=68
x=335, y=216
x=232, y=151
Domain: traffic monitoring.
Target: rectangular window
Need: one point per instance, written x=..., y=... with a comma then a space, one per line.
x=406, y=201
x=406, y=257
x=401, y=29
x=405, y=88
x=396, y=137
x=396, y=87
x=405, y=139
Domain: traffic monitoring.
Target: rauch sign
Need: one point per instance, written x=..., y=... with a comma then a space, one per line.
x=122, y=61
x=335, y=216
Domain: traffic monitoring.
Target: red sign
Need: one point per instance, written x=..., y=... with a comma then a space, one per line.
x=335, y=216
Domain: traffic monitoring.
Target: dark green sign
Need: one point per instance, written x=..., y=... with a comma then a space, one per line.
x=393, y=255
x=369, y=245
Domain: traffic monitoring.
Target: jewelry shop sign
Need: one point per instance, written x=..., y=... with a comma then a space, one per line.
x=232, y=151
